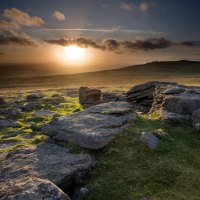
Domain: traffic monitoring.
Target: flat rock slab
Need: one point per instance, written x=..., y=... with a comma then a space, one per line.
x=31, y=189
x=94, y=127
x=45, y=161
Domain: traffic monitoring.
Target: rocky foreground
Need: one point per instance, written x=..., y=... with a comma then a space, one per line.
x=49, y=170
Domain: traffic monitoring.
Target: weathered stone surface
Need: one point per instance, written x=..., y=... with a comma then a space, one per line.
x=175, y=103
x=8, y=123
x=144, y=91
x=33, y=97
x=149, y=139
x=88, y=96
x=185, y=103
x=174, y=90
x=172, y=117
x=111, y=96
x=31, y=189
x=94, y=127
x=141, y=96
x=40, y=113
x=196, y=119
x=46, y=161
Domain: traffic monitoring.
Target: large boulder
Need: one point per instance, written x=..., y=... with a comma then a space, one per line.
x=89, y=96
x=196, y=119
x=179, y=100
x=141, y=96
x=31, y=189
x=45, y=161
x=94, y=127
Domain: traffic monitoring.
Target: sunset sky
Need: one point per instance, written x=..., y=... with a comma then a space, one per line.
x=98, y=34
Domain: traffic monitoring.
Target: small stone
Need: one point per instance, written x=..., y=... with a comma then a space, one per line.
x=149, y=139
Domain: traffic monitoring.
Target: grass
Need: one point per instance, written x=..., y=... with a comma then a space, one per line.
x=28, y=122
x=127, y=169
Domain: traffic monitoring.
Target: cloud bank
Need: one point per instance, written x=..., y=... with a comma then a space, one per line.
x=122, y=46
x=22, y=18
x=9, y=37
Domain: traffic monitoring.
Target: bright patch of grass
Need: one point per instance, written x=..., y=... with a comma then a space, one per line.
x=127, y=169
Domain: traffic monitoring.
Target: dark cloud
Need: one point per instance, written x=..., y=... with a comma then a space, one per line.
x=9, y=37
x=188, y=44
x=82, y=42
x=122, y=45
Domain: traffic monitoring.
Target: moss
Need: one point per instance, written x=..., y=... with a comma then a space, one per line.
x=38, y=139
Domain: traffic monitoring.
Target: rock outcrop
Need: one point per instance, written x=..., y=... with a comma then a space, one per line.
x=45, y=161
x=31, y=189
x=176, y=103
x=89, y=96
x=94, y=127
x=141, y=96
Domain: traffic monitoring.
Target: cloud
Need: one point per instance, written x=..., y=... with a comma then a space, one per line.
x=10, y=37
x=122, y=46
x=144, y=6
x=59, y=16
x=126, y=6
x=8, y=25
x=22, y=18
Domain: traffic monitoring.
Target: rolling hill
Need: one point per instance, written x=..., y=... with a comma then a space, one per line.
x=183, y=71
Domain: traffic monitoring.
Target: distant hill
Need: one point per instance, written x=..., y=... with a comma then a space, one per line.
x=183, y=71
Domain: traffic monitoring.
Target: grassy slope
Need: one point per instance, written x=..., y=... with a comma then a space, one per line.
x=128, y=170
x=180, y=71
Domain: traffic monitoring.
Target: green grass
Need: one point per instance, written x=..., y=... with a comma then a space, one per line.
x=127, y=169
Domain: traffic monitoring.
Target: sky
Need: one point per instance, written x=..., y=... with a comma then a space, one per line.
x=108, y=34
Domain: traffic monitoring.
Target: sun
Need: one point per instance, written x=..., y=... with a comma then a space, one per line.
x=74, y=52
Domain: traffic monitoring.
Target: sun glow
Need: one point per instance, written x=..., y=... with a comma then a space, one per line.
x=74, y=52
